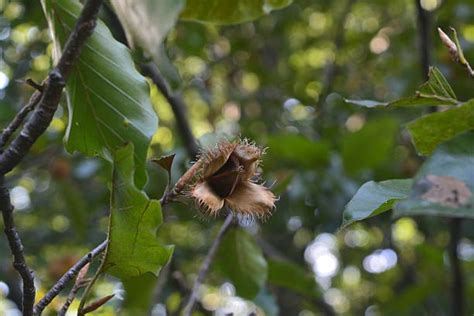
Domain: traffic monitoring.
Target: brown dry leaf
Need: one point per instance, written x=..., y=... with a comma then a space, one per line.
x=447, y=191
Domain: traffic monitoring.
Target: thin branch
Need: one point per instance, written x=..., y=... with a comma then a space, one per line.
x=16, y=247
x=457, y=286
x=53, y=87
x=19, y=118
x=424, y=27
x=177, y=105
x=80, y=282
x=68, y=276
x=206, y=265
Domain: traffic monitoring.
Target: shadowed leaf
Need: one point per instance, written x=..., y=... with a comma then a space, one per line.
x=241, y=260
x=444, y=186
x=374, y=198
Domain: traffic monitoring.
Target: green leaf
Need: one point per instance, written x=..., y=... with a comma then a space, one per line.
x=230, y=12
x=431, y=130
x=369, y=147
x=108, y=100
x=414, y=101
x=241, y=260
x=444, y=185
x=133, y=247
x=138, y=294
x=374, y=198
x=291, y=276
x=436, y=91
x=437, y=85
x=296, y=150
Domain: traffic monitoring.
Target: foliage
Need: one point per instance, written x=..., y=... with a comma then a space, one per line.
x=276, y=72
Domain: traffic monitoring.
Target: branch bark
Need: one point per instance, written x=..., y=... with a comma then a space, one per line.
x=68, y=276
x=19, y=118
x=188, y=308
x=424, y=39
x=16, y=246
x=53, y=87
x=177, y=105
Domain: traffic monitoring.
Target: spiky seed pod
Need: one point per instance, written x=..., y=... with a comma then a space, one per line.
x=225, y=178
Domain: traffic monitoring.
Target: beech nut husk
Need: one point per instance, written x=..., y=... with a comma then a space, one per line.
x=225, y=177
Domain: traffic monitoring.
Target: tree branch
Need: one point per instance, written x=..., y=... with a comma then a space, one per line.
x=16, y=247
x=177, y=105
x=19, y=118
x=206, y=265
x=68, y=276
x=424, y=27
x=53, y=87
x=457, y=286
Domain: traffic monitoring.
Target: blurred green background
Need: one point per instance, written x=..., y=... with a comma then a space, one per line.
x=280, y=81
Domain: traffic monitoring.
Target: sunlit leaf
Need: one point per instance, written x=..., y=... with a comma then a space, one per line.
x=133, y=247
x=431, y=130
x=444, y=185
x=230, y=12
x=374, y=198
x=241, y=260
x=108, y=100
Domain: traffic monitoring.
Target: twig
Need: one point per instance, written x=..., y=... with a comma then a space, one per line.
x=68, y=276
x=53, y=87
x=16, y=247
x=177, y=105
x=80, y=282
x=19, y=118
x=34, y=84
x=206, y=265
x=457, y=292
x=170, y=195
x=424, y=27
